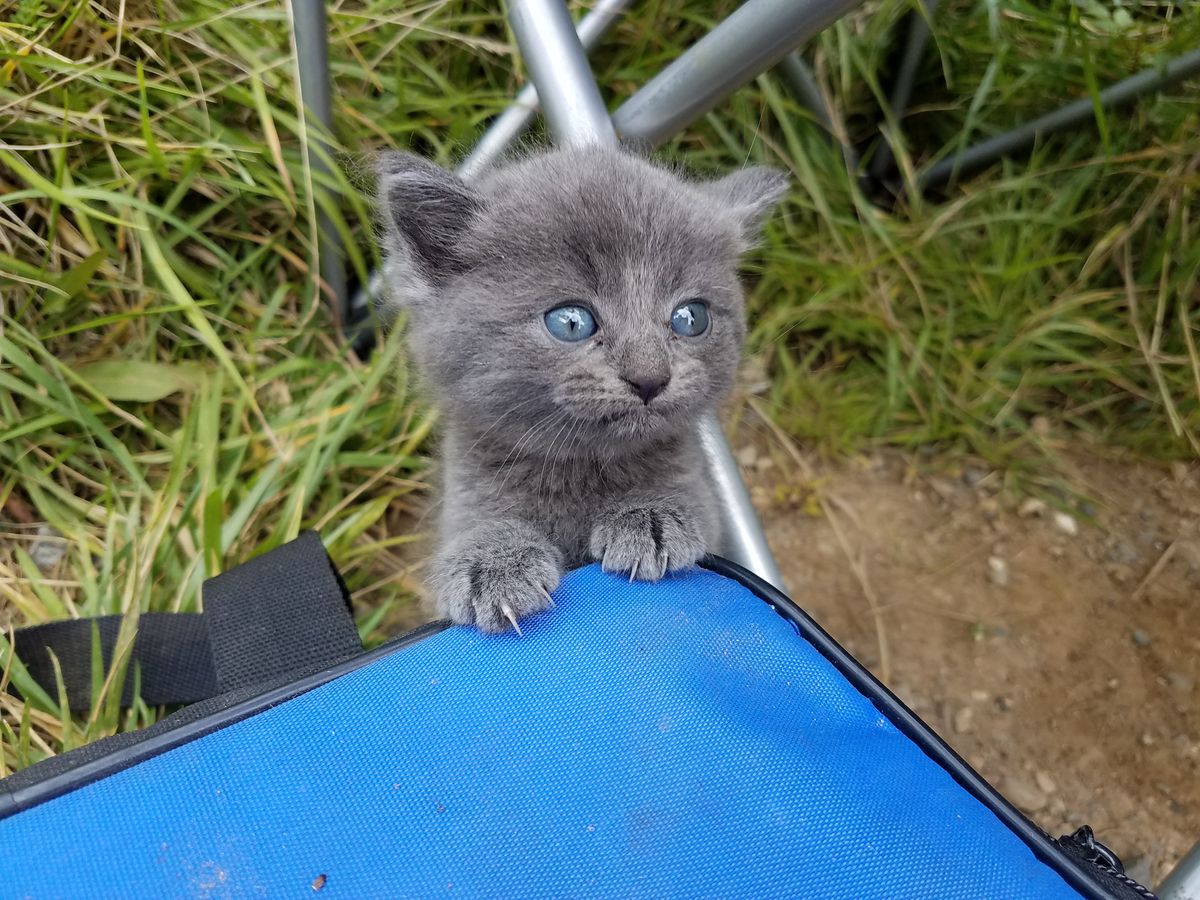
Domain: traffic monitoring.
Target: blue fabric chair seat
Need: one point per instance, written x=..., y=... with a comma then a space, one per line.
x=678, y=739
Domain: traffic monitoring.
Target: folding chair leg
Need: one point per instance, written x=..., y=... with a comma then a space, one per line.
x=558, y=68
x=1081, y=112
x=1184, y=881
x=754, y=37
x=914, y=48
x=312, y=57
x=806, y=90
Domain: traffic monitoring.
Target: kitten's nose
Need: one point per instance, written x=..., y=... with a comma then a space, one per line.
x=648, y=388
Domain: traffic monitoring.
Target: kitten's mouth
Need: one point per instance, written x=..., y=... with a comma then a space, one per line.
x=631, y=421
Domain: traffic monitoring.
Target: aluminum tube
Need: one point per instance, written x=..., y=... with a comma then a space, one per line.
x=914, y=49
x=742, y=537
x=1184, y=881
x=558, y=68
x=513, y=122
x=312, y=59
x=804, y=86
x=1081, y=112
x=756, y=36
x=800, y=79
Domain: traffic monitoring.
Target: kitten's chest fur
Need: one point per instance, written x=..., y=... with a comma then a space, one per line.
x=562, y=495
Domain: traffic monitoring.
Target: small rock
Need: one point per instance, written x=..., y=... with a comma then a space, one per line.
x=979, y=696
x=1114, y=683
x=1024, y=794
x=997, y=571
x=990, y=509
x=1180, y=470
x=1124, y=553
x=1031, y=507
x=1141, y=637
x=1181, y=682
x=948, y=491
x=1057, y=551
x=1066, y=523
x=972, y=475
x=1147, y=739
x=1057, y=807
x=1119, y=572
x=1004, y=704
x=1040, y=426
x=964, y=720
x=748, y=455
x=753, y=376
x=49, y=548
x=764, y=464
x=1044, y=782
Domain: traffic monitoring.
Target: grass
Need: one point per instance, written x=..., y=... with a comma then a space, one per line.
x=173, y=396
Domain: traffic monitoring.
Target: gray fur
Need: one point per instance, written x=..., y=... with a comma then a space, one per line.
x=551, y=458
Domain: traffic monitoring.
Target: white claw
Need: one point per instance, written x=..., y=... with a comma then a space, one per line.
x=662, y=564
x=545, y=593
x=604, y=562
x=508, y=614
x=633, y=574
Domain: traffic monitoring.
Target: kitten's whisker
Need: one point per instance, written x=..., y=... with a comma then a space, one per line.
x=548, y=420
x=568, y=424
x=500, y=419
x=576, y=427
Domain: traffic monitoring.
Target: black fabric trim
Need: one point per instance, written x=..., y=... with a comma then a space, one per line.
x=1083, y=876
x=68, y=771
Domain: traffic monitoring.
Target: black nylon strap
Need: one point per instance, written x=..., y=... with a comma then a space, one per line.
x=171, y=651
x=283, y=614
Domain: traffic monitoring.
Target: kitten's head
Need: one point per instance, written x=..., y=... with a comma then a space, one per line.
x=579, y=292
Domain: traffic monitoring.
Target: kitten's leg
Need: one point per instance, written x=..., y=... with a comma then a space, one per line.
x=494, y=574
x=651, y=534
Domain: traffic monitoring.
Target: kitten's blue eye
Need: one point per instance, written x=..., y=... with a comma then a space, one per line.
x=690, y=319
x=571, y=323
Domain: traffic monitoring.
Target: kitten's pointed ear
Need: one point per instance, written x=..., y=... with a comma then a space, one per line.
x=748, y=195
x=425, y=211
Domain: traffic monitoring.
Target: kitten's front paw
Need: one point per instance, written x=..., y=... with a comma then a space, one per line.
x=647, y=541
x=493, y=577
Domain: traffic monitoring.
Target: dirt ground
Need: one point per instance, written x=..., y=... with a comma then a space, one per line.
x=1057, y=651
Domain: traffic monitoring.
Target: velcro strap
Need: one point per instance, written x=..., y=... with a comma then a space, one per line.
x=284, y=613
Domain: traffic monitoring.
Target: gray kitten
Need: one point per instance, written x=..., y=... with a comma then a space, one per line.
x=575, y=313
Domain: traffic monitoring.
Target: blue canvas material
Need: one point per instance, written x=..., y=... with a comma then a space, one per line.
x=677, y=739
